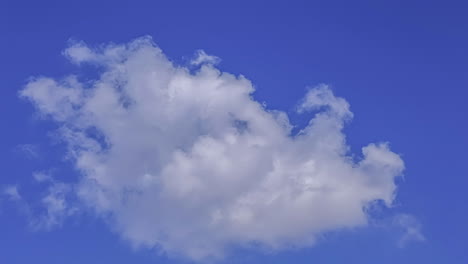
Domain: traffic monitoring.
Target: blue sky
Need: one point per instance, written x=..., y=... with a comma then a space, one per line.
x=401, y=66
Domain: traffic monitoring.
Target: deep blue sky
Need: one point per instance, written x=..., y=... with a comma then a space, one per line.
x=402, y=65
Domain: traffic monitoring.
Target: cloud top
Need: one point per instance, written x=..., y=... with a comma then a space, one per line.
x=188, y=162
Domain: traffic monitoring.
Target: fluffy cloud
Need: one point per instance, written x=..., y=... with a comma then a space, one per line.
x=188, y=162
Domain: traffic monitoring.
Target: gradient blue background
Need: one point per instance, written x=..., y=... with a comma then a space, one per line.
x=402, y=65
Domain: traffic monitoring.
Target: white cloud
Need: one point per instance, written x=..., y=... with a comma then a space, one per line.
x=11, y=192
x=78, y=52
x=202, y=58
x=41, y=176
x=55, y=207
x=190, y=163
x=29, y=150
x=411, y=229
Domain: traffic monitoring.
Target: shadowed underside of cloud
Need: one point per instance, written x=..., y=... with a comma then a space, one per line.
x=188, y=162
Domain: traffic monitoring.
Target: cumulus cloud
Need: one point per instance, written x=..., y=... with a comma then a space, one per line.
x=188, y=162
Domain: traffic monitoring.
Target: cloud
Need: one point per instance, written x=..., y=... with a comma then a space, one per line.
x=411, y=229
x=189, y=163
x=54, y=204
x=41, y=176
x=78, y=52
x=12, y=195
x=28, y=150
x=11, y=192
x=202, y=58
x=55, y=207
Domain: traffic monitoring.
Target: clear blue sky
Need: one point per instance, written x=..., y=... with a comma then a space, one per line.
x=401, y=65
